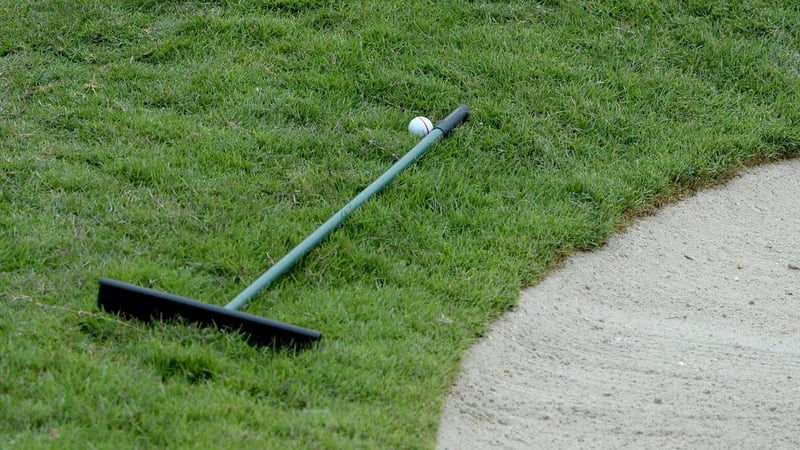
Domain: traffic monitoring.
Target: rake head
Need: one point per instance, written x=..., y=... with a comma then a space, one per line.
x=147, y=304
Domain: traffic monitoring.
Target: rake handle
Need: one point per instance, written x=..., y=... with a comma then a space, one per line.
x=446, y=125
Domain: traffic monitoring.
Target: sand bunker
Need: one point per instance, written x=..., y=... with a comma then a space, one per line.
x=682, y=332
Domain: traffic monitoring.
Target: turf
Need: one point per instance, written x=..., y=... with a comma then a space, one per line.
x=186, y=145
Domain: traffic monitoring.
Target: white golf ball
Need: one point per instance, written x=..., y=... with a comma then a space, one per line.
x=420, y=126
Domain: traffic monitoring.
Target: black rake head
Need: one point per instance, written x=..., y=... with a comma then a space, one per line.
x=147, y=304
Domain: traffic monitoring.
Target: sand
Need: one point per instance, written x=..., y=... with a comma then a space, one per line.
x=683, y=331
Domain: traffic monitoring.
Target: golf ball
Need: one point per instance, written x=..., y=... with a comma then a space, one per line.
x=420, y=126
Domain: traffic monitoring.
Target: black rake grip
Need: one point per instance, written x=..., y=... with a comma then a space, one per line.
x=453, y=119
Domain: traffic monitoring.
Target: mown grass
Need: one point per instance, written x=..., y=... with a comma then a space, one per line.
x=186, y=145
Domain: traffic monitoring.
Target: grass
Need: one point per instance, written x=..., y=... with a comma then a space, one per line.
x=186, y=145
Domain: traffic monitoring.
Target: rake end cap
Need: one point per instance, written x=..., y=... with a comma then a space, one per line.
x=147, y=304
x=454, y=119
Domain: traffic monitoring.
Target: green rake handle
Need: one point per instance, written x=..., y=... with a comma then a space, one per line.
x=441, y=130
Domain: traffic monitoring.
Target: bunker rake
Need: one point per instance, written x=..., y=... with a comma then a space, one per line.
x=146, y=304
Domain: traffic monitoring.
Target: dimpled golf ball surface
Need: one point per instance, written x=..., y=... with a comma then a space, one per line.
x=420, y=126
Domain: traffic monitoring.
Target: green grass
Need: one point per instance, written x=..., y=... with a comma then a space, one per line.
x=186, y=145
